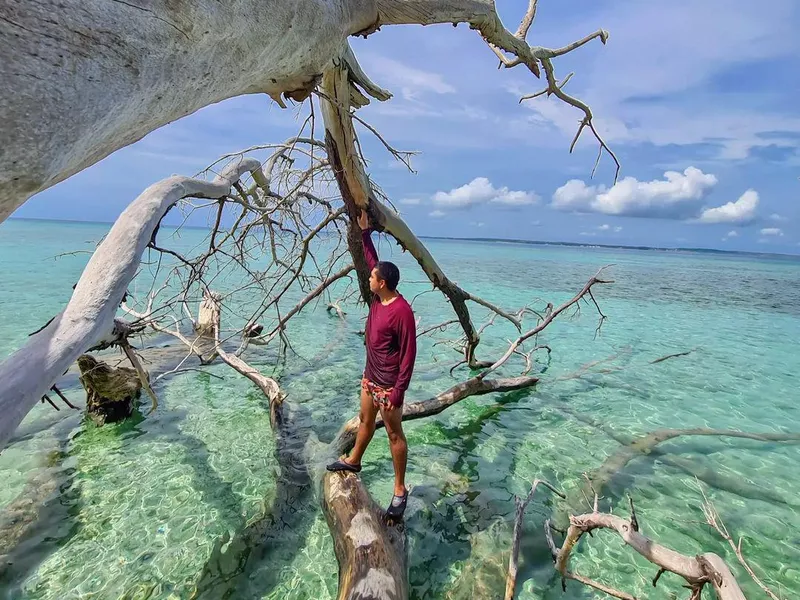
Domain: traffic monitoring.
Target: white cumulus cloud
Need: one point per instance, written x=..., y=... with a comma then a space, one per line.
x=410, y=201
x=777, y=218
x=677, y=196
x=410, y=80
x=479, y=191
x=437, y=213
x=774, y=231
x=741, y=211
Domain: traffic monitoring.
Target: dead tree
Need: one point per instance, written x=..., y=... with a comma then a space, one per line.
x=83, y=79
x=158, y=66
x=88, y=321
x=274, y=212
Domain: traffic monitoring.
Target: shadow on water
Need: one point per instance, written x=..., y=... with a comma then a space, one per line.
x=274, y=537
x=48, y=512
x=43, y=517
x=452, y=521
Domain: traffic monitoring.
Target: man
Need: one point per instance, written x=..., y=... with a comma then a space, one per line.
x=391, y=341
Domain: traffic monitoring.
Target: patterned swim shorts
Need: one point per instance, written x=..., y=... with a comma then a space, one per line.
x=380, y=396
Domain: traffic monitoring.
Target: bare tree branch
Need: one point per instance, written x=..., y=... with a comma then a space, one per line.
x=547, y=320
x=697, y=571
x=521, y=505
x=714, y=520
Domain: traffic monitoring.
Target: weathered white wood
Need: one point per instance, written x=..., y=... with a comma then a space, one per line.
x=694, y=569
x=83, y=78
x=88, y=320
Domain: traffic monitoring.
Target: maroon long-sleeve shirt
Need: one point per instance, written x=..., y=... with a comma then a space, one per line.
x=391, y=337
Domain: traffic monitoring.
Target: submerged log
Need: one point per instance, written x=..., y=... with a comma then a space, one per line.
x=371, y=552
x=22, y=514
x=110, y=391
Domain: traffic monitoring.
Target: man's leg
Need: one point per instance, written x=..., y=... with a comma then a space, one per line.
x=366, y=428
x=393, y=420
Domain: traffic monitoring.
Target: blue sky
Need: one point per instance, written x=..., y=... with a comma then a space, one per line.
x=698, y=98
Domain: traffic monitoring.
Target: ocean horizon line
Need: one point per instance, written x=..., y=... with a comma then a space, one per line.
x=699, y=250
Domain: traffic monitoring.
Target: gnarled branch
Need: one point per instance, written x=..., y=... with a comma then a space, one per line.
x=88, y=319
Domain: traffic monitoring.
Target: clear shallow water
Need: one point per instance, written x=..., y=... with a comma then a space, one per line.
x=186, y=497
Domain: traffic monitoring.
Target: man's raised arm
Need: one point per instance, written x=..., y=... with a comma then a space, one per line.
x=366, y=239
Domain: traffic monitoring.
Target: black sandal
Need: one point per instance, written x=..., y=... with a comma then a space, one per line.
x=341, y=465
x=397, y=506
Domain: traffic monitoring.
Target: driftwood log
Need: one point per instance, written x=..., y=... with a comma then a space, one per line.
x=697, y=571
x=372, y=553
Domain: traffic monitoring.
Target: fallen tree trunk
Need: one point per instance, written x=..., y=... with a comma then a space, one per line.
x=88, y=321
x=85, y=78
x=372, y=556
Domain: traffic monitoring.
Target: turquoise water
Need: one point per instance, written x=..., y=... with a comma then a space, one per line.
x=189, y=497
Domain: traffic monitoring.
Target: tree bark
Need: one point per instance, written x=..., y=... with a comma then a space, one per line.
x=372, y=556
x=83, y=78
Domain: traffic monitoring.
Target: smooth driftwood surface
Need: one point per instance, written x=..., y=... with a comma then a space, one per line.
x=88, y=320
x=83, y=78
x=372, y=555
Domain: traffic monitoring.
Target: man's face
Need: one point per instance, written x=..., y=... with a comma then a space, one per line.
x=375, y=281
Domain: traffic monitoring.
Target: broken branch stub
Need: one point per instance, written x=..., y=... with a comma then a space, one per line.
x=110, y=391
